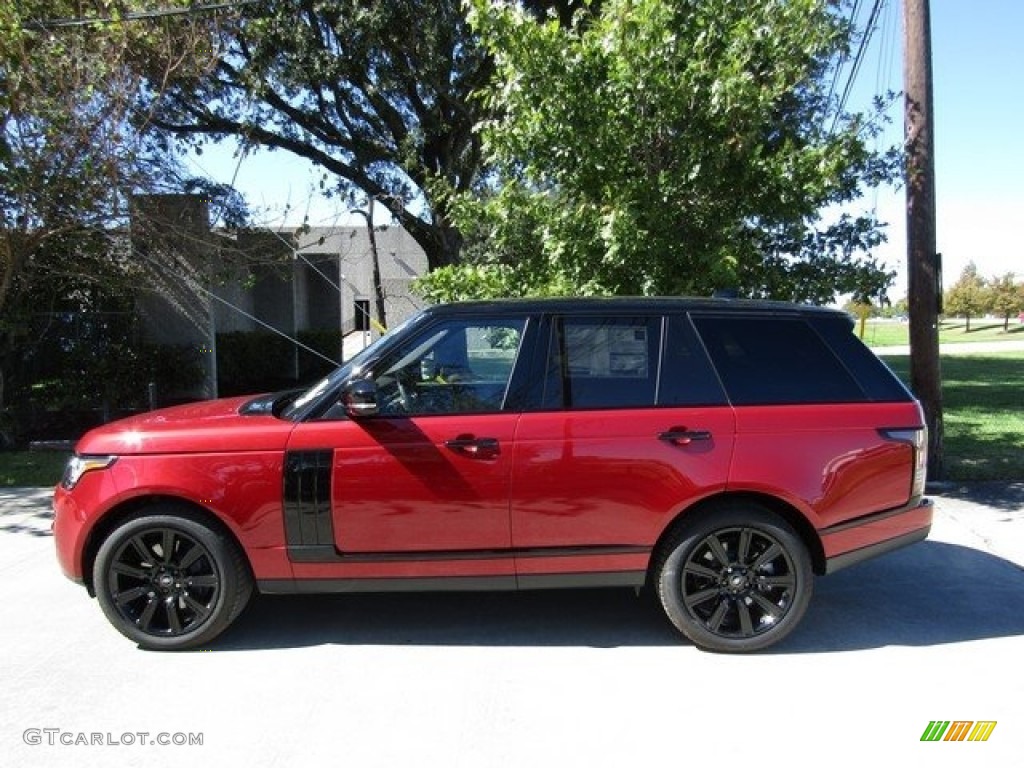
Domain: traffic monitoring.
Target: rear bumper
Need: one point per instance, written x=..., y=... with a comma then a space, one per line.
x=872, y=535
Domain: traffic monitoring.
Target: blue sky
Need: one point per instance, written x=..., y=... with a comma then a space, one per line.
x=978, y=69
x=978, y=61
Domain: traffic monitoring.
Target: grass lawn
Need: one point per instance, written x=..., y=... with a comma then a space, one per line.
x=895, y=333
x=983, y=405
x=31, y=468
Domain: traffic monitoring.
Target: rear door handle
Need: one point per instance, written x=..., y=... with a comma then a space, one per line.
x=683, y=436
x=478, y=447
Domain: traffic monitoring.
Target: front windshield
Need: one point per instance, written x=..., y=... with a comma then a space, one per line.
x=347, y=368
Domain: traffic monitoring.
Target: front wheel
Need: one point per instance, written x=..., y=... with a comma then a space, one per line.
x=168, y=581
x=736, y=579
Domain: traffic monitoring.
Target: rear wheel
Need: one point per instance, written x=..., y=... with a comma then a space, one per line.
x=736, y=579
x=169, y=581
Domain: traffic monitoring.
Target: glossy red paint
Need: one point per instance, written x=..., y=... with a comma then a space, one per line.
x=407, y=485
x=205, y=454
x=828, y=461
x=605, y=478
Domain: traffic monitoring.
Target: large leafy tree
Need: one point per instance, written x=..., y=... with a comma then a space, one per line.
x=72, y=152
x=659, y=147
x=377, y=95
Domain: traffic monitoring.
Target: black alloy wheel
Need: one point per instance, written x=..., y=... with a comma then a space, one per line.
x=170, y=581
x=737, y=579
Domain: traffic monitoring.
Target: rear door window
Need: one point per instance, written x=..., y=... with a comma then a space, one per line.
x=603, y=362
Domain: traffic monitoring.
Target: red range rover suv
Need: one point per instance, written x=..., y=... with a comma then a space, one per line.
x=719, y=452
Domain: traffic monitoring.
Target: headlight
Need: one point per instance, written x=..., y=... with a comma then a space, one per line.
x=79, y=465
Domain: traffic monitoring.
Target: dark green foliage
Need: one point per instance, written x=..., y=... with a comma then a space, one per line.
x=673, y=148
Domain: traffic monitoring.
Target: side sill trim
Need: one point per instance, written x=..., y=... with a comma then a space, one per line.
x=327, y=553
x=582, y=580
x=455, y=583
x=846, y=559
x=429, y=584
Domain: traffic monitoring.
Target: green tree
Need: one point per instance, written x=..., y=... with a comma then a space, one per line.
x=1006, y=298
x=380, y=96
x=656, y=147
x=72, y=154
x=377, y=95
x=968, y=296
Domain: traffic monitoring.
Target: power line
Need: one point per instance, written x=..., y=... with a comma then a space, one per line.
x=842, y=55
x=869, y=30
x=158, y=13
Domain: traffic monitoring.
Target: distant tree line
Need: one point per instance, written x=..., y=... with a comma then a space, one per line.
x=971, y=296
x=974, y=296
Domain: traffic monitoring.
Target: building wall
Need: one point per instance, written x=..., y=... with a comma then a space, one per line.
x=207, y=282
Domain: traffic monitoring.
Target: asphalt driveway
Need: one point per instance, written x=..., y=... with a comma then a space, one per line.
x=587, y=678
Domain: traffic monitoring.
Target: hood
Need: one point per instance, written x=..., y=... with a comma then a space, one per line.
x=211, y=426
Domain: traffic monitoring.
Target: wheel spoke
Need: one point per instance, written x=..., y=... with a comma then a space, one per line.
x=131, y=594
x=786, y=580
x=140, y=546
x=173, y=619
x=767, y=606
x=167, y=545
x=200, y=610
x=127, y=570
x=206, y=580
x=717, y=549
x=746, y=625
x=743, y=550
x=715, y=622
x=146, y=618
x=702, y=597
x=194, y=553
x=700, y=570
x=767, y=556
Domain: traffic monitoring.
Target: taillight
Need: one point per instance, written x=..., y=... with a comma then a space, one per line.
x=917, y=437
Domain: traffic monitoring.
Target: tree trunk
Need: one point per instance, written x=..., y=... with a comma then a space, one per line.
x=378, y=285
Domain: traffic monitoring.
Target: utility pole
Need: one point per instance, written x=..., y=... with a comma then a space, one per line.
x=923, y=269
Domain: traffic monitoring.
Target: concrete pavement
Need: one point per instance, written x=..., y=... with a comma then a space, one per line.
x=572, y=678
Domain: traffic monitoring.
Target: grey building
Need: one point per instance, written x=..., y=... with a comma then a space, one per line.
x=202, y=281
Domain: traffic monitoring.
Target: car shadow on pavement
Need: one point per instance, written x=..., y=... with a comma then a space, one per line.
x=929, y=594
x=1007, y=497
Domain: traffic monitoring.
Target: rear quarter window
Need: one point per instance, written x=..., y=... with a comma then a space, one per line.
x=776, y=361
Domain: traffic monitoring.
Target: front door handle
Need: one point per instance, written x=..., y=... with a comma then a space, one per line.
x=683, y=436
x=477, y=447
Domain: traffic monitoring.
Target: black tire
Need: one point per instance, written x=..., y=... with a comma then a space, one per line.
x=169, y=581
x=736, y=578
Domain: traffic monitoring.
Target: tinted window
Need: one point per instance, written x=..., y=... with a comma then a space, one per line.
x=687, y=377
x=874, y=376
x=603, y=362
x=456, y=366
x=772, y=360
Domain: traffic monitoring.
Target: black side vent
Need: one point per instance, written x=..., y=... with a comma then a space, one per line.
x=307, y=500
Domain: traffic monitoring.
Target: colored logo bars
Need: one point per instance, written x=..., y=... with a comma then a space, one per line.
x=958, y=730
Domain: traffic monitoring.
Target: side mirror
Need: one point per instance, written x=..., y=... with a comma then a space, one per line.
x=359, y=398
